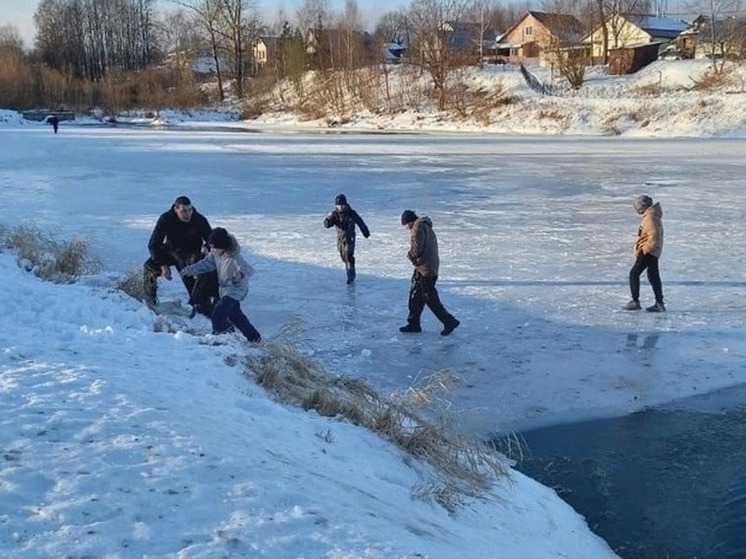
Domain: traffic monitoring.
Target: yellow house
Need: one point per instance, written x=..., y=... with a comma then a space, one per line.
x=629, y=30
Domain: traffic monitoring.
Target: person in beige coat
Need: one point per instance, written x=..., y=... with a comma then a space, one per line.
x=648, y=249
x=423, y=254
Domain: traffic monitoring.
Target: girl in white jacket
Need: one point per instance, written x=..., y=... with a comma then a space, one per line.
x=233, y=283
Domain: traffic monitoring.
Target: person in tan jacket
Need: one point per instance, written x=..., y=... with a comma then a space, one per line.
x=648, y=249
x=423, y=254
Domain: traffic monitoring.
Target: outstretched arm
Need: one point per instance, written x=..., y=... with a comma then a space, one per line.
x=207, y=264
x=361, y=224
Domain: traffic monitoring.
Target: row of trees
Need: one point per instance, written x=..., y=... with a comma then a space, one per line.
x=89, y=38
x=106, y=45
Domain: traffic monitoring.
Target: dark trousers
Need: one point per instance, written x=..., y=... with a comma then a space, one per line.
x=651, y=263
x=422, y=292
x=350, y=267
x=202, y=289
x=347, y=254
x=228, y=313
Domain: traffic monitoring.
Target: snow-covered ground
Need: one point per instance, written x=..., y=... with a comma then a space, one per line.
x=118, y=441
x=664, y=99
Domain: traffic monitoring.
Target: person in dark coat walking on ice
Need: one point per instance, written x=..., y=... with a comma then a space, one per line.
x=180, y=239
x=233, y=278
x=423, y=254
x=648, y=249
x=345, y=219
x=55, y=122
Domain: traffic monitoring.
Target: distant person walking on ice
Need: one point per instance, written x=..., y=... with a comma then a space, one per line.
x=233, y=282
x=54, y=121
x=423, y=254
x=344, y=218
x=648, y=248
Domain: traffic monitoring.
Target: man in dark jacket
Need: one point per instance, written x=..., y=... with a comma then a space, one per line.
x=178, y=240
x=344, y=218
x=423, y=254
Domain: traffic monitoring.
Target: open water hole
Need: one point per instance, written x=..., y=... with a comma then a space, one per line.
x=662, y=483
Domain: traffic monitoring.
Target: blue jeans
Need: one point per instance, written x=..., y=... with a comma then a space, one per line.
x=228, y=313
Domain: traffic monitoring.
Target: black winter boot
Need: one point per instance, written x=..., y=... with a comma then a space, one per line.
x=449, y=327
x=410, y=328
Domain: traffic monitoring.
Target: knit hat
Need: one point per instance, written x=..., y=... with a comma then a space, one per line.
x=219, y=239
x=408, y=216
x=642, y=203
x=182, y=201
x=340, y=200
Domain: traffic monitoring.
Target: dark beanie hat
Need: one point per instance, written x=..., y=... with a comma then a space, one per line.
x=340, y=200
x=183, y=201
x=219, y=239
x=408, y=216
x=642, y=203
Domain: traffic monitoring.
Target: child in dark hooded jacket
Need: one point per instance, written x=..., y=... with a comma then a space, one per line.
x=344, y=218
x=233, y=283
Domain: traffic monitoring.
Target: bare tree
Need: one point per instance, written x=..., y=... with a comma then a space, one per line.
x=722, y=30
x=431, y=40
x=312, y=12
x=241, y=30
x=480, y=11
x=568, y=55
x=178, y=33
x=10, y=37
x=350, y=27
x=16, y=82
x=92, y=37
x=392, y=26
x=611, y=16
x=208, y=13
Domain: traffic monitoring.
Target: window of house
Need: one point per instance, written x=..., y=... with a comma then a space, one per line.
x=527, y=30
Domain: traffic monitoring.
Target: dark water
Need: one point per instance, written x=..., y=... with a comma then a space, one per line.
x=666, y=483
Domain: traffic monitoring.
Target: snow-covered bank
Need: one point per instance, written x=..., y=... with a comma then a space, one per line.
x=664, y=99
x=117, y=441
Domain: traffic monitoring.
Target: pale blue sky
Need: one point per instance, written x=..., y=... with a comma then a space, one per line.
x=21, y=12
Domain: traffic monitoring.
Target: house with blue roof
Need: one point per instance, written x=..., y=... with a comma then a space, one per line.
x=632, y=30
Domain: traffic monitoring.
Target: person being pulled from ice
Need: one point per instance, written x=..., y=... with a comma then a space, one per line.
x=344, y=218
x=648, y=249
x=233, y=280
x=423, y=254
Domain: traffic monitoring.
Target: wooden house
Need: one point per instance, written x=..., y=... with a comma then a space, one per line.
x=538, y=36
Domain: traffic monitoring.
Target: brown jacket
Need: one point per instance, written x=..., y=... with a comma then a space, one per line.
x=650, y=236
x=423, y=249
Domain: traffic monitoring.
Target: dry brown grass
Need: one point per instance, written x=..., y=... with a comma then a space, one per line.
x=49, y=258
x=132, y=285
x=418, y=420
x=478, y=103
x=648, y=90
x=714, y=80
